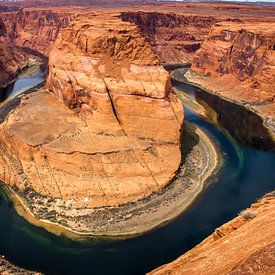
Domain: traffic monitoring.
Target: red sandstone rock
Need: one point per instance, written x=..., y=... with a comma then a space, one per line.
x=244, y=245
x=112, y=129
x=106, y=67
x=237, y=61
x=173, y=37
x=35, y=29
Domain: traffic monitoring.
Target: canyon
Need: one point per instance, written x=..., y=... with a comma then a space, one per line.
x=237, y=62
x=35, y=29
x=12, y=60
x=173, y=37
x=106, y=130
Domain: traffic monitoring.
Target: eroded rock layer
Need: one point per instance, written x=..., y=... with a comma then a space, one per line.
x=113, y=75
x=35, y=29
x=109, y=131
x=237, y=61
x=244, y=245
x=173, y=37
x=12, y=60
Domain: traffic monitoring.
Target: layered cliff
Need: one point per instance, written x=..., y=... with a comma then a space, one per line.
x=12, y=60
x=244, y=245
x=237, y=61
x=34, y=28
x=173, y=37
x=113, y=135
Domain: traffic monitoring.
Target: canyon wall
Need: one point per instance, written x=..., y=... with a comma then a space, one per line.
x=173, y=37
x=35, y=29
x=113, y=125
x=237, y=61
x=244, y=245
x=12, y=60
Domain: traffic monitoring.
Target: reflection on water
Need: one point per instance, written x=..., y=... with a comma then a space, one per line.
x=21, y=85
x=246, y=175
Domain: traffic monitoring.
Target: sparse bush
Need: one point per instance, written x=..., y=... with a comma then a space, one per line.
x=247, y=214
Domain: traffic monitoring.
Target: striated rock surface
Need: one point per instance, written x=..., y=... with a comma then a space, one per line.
x=237, y=61
x=173, y=37
x=109, y=131
x=244, y=245
x=34, y=28
x=113, y=76
x=12, y=60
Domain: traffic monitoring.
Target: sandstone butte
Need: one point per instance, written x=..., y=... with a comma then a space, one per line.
x=237, y=61
x=12, y=60
x=244, y=245
x=107, y=129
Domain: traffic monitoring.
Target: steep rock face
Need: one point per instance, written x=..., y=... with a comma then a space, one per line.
x=11, y=59
x=244, y=245
x=103, y=70
x=35, y=29
x=238, y=62
x=122, y=127
x=174, y=38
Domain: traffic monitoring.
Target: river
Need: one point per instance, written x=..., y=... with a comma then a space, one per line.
x=247, y=174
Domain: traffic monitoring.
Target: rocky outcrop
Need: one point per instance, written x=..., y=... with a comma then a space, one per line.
x=102, y=71
x=7, y=268
x=35, y=29
x=173, y=37
x=244, y=245
x=237, y=61
x=114, y=128
x=12, y=60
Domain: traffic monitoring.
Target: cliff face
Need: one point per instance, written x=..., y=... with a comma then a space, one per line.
x=238, y=62
x=35, y=29
x=174, y=38
x=92, y=65
x=12, y=60
x=244, y=245
x=121, y=129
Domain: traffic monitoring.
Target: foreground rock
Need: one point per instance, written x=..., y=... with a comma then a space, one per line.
x=12, y=60
x=107, y=134
x=244, y=245
x=6, y=268
x=237, y=61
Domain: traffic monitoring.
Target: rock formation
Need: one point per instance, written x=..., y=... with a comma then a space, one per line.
x=173, y=37
x=35, y=29
x=244, y=245
x=12, y=60
x=237, y=61
x=113, y=135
